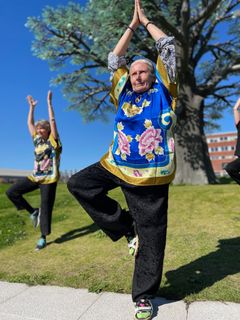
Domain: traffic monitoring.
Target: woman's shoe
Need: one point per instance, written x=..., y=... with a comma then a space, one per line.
x=41, y=244
x=143, y=309
x=35, y=218
x=133, y=245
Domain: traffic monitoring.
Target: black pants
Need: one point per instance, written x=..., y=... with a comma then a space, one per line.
x=147, y=208
x=233, y=169
x=48, y=192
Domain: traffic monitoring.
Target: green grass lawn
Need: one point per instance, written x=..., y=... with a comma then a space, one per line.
x=202, y=260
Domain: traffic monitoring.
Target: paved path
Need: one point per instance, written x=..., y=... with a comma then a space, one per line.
x=22, y=302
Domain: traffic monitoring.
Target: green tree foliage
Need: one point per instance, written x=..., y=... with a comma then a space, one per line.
x=76, y=40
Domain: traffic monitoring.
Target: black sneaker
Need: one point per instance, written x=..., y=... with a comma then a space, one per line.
x=143, y=309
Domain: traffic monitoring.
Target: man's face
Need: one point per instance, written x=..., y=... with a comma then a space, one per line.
x=140, y=77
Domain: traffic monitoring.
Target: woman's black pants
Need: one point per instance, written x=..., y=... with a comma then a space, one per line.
x=48, y=192
x=147, y=208
x=233, y=169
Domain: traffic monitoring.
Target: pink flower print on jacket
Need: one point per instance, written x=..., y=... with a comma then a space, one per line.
x=35, y=166
x=149, y=141
x=171, y=144
x=45, y=164
x=123, y=143
x=137, y=173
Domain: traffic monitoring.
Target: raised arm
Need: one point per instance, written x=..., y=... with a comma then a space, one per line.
x=30, y=121
x=236, y=112
x=52, y=121
x=123, y=43
x=154, y=31
x=164, y=44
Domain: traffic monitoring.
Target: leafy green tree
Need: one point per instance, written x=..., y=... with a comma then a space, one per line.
x=76, y=40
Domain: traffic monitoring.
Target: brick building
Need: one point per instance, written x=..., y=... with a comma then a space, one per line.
x=221, y=148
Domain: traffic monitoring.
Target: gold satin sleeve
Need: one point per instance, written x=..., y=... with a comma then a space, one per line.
x=119, y=80
x=171, y=87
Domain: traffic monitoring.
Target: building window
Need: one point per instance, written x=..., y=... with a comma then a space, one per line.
x=224, y=148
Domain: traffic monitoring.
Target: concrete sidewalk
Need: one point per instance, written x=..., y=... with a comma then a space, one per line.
x=22, y=302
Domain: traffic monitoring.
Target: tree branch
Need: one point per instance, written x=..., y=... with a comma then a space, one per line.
x=205, y=39
x=168, y=26
x=98, y=106
x=217, y=77
x=185, y=16
x=205, y=14
x=223, y=98
x=73, y=39
x=230, y=86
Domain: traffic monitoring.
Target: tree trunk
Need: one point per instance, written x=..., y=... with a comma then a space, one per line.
x=193, y=162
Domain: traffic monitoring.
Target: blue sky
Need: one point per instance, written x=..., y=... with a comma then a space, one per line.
x=22, y=74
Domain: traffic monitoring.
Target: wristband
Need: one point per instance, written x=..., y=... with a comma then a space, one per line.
x=149, y=22
x=131, y=29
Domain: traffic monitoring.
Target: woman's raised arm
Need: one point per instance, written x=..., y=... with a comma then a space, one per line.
x=236, y=112
x=123, y=43
x=30, y=121
x=52, y=121
x=154, y=31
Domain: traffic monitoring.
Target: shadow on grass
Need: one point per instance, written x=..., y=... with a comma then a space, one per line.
x=76, y=233
x=192, y=278
x=226, y=180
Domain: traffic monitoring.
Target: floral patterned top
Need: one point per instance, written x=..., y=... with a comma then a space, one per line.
x=142, y=152
x=47, y=159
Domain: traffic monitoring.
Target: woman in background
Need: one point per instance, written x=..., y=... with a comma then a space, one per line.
x=45, y=175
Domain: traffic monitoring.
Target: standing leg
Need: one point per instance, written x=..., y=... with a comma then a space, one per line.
x=233, y=169
x=48, y=194
x=148, y=205
x=90, y=187
x=17, y=190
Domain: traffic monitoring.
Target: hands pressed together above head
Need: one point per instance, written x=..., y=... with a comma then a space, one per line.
x=138, y=16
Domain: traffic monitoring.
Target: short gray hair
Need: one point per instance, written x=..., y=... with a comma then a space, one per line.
x=149, y=63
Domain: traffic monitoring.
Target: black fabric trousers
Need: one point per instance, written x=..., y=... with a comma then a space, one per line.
x=48, y=192
x=233, y=169
x=147, y=208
